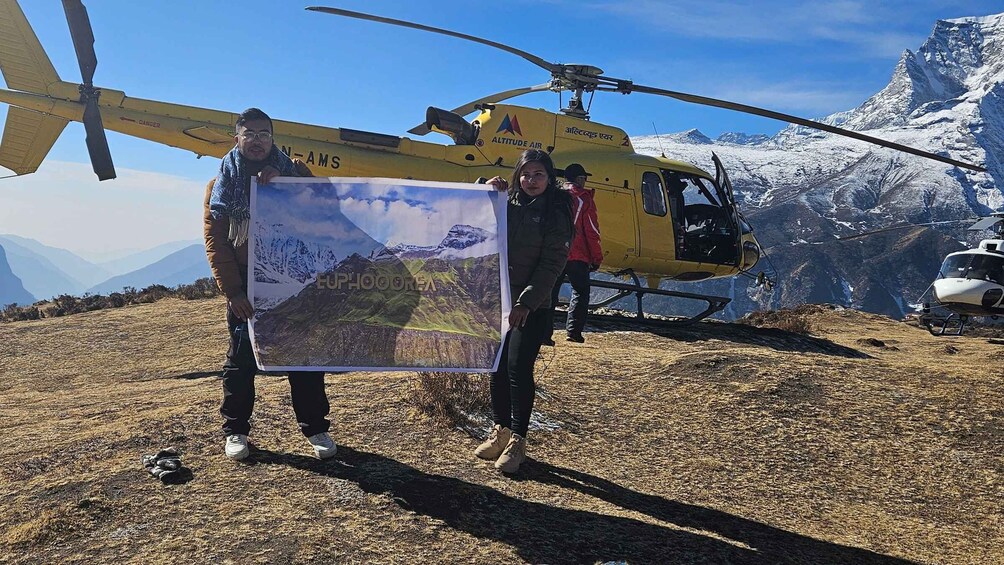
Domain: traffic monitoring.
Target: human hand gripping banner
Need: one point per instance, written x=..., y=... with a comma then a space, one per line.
x=377, y=274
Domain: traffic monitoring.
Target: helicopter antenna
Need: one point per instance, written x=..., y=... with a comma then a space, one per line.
x=659, y=139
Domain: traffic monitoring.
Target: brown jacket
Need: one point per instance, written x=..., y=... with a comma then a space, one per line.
x=230, y=264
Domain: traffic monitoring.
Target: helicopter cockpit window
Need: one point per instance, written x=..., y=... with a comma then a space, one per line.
x=955, y=266
x=986, y=268
x=652, y=195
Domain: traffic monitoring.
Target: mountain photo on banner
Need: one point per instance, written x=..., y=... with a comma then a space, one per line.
x=376, y=274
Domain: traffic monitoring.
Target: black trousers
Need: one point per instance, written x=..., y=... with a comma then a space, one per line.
x=512, y=384
x=310, y=402
x=578, y=276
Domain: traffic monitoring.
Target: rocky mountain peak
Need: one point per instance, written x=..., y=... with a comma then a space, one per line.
x=690, y=136
x=462, y=236
x=285, y=256
x=741, y=138
x=961, y=60
x=460, y=241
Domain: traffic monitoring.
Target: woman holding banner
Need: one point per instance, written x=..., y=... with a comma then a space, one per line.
x=539, y=217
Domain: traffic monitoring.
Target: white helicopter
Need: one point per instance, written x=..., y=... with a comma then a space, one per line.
x=969, y=283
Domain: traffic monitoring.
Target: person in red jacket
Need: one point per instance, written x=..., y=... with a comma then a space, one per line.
x=585, y=256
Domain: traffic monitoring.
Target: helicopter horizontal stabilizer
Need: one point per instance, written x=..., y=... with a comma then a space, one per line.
x=27, y=138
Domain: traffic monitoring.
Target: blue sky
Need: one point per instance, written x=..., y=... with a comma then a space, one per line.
x=809, y=59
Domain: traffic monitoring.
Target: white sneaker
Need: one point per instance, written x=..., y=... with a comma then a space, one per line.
x=324, y=447
x=237, y=446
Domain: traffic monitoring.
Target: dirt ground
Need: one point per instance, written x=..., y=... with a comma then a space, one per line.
x=865, y=441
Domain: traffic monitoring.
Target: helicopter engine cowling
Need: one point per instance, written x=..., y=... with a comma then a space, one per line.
x=453, y=125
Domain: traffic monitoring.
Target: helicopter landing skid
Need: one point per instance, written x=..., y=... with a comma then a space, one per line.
x=953, y=325
x=624, y=290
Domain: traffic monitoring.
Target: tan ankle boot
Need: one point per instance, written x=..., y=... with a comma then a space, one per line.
x=513, y=455
x=497, y=441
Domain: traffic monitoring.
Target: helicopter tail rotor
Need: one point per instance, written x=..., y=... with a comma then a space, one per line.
x=83, y=44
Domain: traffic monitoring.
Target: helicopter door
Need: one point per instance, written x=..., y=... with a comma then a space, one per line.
x=655, y=230
x=729, y=200
x=706, y=221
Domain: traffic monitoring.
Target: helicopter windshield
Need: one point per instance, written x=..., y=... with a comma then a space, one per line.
x=973, y=266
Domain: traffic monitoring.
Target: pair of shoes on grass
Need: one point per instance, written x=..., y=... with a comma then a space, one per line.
x=506, y=448
x=166, y=466
x=236, y=446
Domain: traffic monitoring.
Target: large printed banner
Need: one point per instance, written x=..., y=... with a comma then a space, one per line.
x=377, y=274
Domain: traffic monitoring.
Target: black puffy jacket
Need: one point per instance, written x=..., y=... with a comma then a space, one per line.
x=539, y=236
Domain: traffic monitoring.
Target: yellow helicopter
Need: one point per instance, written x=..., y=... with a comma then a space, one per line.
x=661, y=218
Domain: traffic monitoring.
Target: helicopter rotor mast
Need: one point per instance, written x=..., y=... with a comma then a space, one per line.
x=581, y=79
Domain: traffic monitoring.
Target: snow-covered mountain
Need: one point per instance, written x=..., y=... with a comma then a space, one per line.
x=285, y=264
x=282, y=257
x=460, y=242
x=803, y=185
x=463, y=241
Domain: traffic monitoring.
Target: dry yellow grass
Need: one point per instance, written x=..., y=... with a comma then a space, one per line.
x=867, y=441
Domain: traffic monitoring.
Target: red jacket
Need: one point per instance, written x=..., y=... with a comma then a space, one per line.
x=586, y=243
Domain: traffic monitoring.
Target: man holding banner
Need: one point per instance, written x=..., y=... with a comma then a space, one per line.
x=226, y=222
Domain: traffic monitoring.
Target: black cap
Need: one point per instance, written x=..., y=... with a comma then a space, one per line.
x=574, y=171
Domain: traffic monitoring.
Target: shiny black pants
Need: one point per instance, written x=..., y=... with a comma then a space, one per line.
x=512, y=384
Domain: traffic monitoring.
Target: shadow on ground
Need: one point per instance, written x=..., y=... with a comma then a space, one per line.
x=772, y=338
x=541, y=533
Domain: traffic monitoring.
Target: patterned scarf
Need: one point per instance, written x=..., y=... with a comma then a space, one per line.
x=231, y=197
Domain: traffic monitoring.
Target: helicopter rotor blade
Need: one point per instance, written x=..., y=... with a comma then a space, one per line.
x=704, y=100
x=588, y=79
x=97, y=143
x=550, y=67
x=901, y=227
x=986, y=223
x=83, y=38
x=83, y=44
x=423, y=129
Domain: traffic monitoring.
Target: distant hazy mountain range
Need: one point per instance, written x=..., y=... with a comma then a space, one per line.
x=181, y=267
x=11, y=289
x=42, y=271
